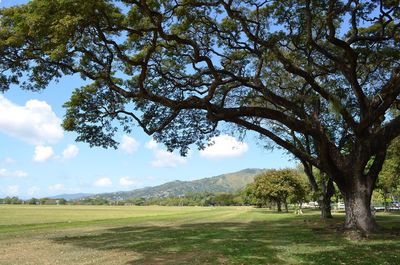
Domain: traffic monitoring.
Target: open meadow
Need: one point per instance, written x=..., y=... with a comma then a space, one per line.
x=50, y=235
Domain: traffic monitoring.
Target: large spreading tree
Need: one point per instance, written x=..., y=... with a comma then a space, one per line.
x=322, y=71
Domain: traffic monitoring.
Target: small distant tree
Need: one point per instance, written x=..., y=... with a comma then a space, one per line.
x=12, y=200
x=239, y=198
x=322, y=188
x=250, y=198
x=33, y=201
x=62, y=201
x=389, y=181
x=137, y=201
x=224, y=199
x=279, y=186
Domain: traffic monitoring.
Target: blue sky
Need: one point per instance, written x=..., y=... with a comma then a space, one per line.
x=38, y=158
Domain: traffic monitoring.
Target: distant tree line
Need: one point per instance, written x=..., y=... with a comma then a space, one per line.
x=189, y=199
x=277, y=189
x=279, y=186
x=195, y=199
x=32, y=201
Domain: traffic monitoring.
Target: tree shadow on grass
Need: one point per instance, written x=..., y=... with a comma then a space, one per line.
x=271, y=242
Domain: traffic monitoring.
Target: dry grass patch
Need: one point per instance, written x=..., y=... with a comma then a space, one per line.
x=45, y=252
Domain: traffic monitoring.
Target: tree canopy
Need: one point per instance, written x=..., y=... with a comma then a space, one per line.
x=389, y=179
x=278, y=186
x=317, y=78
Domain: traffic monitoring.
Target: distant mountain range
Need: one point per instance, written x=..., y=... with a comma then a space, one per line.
x=229, y=182
x=69, y=197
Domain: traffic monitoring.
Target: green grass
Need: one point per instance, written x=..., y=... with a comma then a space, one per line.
x=186, y=235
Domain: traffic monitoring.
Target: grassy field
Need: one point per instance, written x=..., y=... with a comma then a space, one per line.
x=44, y=235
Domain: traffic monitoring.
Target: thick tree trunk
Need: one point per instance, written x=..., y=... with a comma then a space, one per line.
x=325, y=207
x=286, y=207
x=358, y=208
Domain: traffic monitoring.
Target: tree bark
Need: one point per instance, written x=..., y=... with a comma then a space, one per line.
x=278, y=204
x=300, y=208
x=325, y=200
x=358, y=207
x=325, y=207
x=325, y=189
x=385, y=203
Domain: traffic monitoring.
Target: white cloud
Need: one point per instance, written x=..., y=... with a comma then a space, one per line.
x=12, y=190
x=152, y=145
x=20, y=173
x=103, y=182
x=9, y=160
x=4, y=173
x=128, y=144
x=33, y=190
x=167, y=159
x=43, y=153
x=164, y=158
x=224, y=146
x=127, y=182
x=70, y=152
x=34, y=123
x=57, y=187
